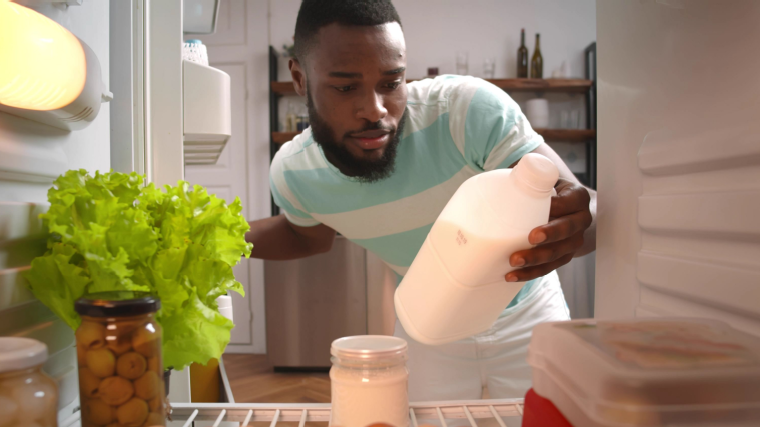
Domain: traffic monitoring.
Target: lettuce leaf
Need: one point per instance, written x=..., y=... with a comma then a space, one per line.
x=110, y=232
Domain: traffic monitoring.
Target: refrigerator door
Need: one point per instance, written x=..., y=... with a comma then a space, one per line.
x=679, y=160
x=311, y=302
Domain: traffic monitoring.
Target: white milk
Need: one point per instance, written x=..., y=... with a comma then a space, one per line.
x=456, y=286
x=369, y=381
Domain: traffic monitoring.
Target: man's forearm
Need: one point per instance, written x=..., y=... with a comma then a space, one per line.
x=274, y=239
x=589, y=237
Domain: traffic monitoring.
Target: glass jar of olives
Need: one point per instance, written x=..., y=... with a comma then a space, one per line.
x=28, y=397
x=119, y=353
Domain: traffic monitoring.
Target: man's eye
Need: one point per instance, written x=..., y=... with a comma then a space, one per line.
x=343, y=88
x=394, y=85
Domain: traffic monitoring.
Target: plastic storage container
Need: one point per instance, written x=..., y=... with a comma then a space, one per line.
x=119, y=353
x=369, y=381
x=28, y=397
x=456, y=286
x=648, y=372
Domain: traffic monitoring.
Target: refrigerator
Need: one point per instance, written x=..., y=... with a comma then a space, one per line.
x=678, y=160
x=312, y=301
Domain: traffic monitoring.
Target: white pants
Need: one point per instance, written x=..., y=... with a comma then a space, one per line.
x=495, y=358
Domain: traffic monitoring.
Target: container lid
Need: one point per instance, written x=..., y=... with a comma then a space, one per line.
x=666, y=366
x=536, y=172
x=193, y=41
x=117, y=304
x=368, y=347
x=21, y=353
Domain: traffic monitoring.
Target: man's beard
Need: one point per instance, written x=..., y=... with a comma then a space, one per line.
x=363, y=170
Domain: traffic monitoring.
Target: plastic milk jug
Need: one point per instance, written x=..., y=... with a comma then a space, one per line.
x=456, y=288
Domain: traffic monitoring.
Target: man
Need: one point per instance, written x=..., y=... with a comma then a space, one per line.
x=382, y=159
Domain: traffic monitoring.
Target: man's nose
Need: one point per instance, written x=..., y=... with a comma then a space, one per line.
x=371, y=107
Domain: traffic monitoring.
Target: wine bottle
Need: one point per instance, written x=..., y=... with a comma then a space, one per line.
x=537, y=62
x=522, y=57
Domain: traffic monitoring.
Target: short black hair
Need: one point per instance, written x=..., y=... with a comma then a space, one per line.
x=315, y=14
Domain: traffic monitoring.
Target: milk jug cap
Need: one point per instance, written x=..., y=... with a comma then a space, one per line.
x=536, y=172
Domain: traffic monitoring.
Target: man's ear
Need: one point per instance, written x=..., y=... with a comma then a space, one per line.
x=299, y=76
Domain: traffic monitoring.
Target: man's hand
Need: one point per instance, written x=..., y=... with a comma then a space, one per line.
x=559, y=240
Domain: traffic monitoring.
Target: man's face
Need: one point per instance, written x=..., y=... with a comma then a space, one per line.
x=354, y=78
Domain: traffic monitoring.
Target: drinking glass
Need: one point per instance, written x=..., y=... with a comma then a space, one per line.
x=463, y=67
x=489, y=68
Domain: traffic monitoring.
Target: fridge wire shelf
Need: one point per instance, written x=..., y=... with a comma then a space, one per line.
x=246, y=413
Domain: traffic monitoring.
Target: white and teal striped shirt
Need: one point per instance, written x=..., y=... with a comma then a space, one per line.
x=457, y=127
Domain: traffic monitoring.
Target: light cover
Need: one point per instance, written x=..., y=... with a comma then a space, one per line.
x=43, y=64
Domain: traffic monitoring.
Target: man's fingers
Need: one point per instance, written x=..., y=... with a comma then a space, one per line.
x=546, y=253
x=560, y=228
x=570, y=198
x=530, y=273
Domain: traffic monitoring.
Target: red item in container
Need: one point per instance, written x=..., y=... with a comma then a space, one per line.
x=540, y=412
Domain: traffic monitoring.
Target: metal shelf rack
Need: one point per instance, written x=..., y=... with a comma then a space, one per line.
x=247, y=413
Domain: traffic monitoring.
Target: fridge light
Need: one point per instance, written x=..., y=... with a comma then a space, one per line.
x=43, y=63
x=47, y=74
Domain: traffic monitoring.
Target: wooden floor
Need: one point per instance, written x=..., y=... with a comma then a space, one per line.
x=254, y=381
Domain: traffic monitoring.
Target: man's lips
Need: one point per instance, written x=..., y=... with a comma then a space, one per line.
x=371, y=140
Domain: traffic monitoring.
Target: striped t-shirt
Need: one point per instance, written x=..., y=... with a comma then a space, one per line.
x=457, y=127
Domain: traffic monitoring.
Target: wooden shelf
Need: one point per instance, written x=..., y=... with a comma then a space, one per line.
x=543, y=85
x=550, y=135
x=283, y=88
x=567, y=135
x=508, y=85
x=280, y=138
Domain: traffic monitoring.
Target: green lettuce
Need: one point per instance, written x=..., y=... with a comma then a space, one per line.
x=111, y=232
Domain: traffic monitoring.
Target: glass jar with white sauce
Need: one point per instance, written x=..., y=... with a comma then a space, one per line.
x=369, y=381
x=28, y=397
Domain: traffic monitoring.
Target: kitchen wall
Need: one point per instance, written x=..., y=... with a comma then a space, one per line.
x=32, y=155
x=436, y=29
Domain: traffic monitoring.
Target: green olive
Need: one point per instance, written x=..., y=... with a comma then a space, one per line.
x=155, y=404
x=131, y=365
x=119, y=344
x=115, y=390
x=147, y=386
x=133, y=413
x=81, y=353
x=101, y=362
x=146, y=340
x=154, y=364
x=154, y=419
x=88, y=383
x=91, y=335
x=97, y=412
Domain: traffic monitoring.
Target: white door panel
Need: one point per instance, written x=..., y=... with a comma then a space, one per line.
x=679, y=160
x=239, y=48
x=227, y=179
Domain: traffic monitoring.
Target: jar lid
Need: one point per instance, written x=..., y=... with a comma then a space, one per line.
x=117, y=304
x=368, y=347
x=193, y=41
x=21, y=353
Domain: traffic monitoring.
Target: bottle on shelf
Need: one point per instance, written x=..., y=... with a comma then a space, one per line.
x=303, y=119
x=290, y=119
x=537, y=62
x=522, y=57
